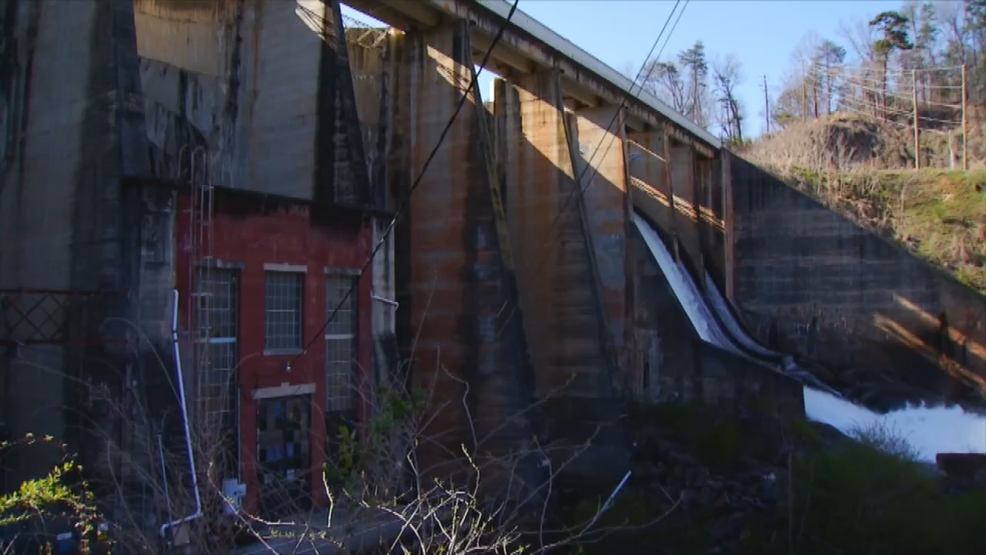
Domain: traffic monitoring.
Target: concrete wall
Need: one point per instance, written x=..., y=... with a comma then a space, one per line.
x=172, y=92
x=370, y=61
x=280, y=102
x=74, y=125
x=190, y=34
x=809, y=280
x=675, y=364
x=372, y=67
x=267, y=83
x=386, y=354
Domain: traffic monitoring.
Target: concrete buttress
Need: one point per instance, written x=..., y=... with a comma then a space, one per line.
x=553, y=262
x=601, y=140
x=467, y=355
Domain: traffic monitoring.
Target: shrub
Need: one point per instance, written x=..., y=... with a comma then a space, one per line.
x=872, y=496
x=31, y=514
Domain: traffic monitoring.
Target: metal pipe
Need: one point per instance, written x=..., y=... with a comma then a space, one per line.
x=609, y=501
x=184, y=419
x=391, y=302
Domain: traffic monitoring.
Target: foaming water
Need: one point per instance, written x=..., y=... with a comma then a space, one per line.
x=928, y=429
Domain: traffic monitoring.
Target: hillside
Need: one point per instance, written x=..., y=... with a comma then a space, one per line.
x=863, y=167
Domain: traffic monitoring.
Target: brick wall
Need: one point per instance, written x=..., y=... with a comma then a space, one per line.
x=249, y=232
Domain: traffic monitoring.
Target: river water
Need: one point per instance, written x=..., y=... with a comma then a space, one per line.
x=928, y=429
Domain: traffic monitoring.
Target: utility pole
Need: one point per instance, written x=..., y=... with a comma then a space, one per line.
x=965, y=124
x=766, y=104
x=914, y=100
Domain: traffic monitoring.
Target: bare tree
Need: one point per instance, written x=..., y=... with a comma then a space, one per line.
x=665, y=81
x=829, y=58
x=860, y=38
x=726, y=76
x=788, y=107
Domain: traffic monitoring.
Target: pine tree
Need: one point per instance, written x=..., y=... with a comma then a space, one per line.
x=695, y=62
x=894, y=27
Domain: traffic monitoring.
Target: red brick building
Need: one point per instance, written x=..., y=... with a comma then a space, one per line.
x=257, y=280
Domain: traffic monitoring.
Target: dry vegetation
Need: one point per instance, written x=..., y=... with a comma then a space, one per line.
x=382, y=499
x=863, y=167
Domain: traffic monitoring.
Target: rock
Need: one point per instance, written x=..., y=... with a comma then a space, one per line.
x=961, y=465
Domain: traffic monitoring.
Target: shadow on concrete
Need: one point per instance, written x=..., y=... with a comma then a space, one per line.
x=842, y=295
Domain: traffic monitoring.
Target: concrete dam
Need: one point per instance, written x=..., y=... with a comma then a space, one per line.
x=256, y=179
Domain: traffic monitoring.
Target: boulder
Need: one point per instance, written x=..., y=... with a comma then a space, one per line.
x=962, y=465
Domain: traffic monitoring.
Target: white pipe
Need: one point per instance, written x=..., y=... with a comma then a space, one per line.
x=392, y=303
x=609, y=501
x=184, y=419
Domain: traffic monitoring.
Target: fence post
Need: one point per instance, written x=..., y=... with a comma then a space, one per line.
x=804, y=92
x=914, y=99
x=965, y=125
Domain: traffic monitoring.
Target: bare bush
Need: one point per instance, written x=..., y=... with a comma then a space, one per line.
x=886, y=438
x=379, y=493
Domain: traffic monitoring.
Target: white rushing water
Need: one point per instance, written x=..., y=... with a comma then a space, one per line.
x=929, y=430
x=685, y=290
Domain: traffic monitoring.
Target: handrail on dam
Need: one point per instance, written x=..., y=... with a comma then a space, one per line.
x=538, y=46
x=567, y=48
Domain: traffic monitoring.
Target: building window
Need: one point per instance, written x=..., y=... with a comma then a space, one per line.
x=282, y=311
x=216, y=299
x=340, y=342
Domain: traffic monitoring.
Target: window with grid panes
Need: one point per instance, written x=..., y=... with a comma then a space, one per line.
x=340, y=342
x=282, y=310
x=216, y=300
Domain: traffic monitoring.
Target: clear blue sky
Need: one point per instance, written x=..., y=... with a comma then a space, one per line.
x=761, y=33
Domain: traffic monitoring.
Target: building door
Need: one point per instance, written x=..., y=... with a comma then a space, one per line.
x=283, y=456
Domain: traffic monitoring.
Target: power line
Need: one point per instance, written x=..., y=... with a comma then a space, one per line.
x=414, y=186
x=578, y=180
